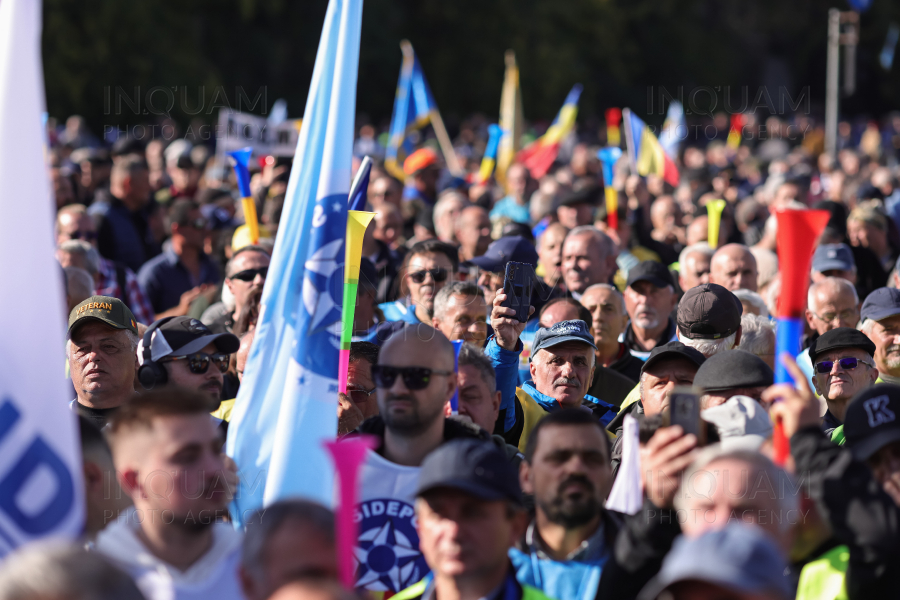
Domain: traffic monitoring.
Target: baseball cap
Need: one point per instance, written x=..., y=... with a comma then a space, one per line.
x=564, y=331
x=881, y=304
x=738, y=557
x=741, y=423
x=652, y=271
x=841, y=337
x=871, y=420
x=106, y=309
x=833, y=257
x=708, y=312
x=179, y=336
x=476, y=467
x=504, y=250
x=733, y=369
x=589, y=194
x=418, y=160
x=672, y=350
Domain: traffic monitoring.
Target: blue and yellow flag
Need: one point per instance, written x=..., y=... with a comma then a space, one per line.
x=414, y=108
x=287, y=404
x=645, y=152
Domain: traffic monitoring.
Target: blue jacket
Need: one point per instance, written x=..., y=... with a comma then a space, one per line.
x=399, y=310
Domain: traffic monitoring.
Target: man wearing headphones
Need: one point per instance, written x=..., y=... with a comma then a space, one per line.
x=182, y=351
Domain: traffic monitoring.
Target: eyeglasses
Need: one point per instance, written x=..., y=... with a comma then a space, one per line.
x=359, y=395
x=199, y=363
x=87, y=236
x=848, y=364
x=440, y=274
x=845, y=315
x=414, y=378
x=250, y=274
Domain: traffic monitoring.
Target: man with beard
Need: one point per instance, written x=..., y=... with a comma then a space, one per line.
x=414, y=379
x=168, y=458
x=567, y=469
x=880, y=315
x=183, y=352
x=649, y=300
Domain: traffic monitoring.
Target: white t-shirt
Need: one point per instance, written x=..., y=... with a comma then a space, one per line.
x=387, y=553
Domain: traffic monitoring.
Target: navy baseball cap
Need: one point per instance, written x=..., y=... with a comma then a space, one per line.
x=833, y=257
x=504, y=250
x=871, y=422
x=881, y=304
x=739, y=557
x=564, y=331
x=652, y=271
x=474, y=466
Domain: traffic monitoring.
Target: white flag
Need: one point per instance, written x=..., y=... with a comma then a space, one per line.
x=40, y=461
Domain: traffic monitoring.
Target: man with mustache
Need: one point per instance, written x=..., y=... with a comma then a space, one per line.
x=168, y=458
x=567, y=469
x=183, y=352
x=561, y=365
x=649, y=299
x=102, y=338
x=880, y=315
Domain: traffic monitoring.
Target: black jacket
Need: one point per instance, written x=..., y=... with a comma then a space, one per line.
x=860, y=512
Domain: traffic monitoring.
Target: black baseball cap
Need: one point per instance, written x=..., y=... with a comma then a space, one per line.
x=731, y=370
x=575, y=330
x=841, y=337
x=474, y=466
x=180, y=336
x=871, y=422
x=881, y=304
x=650, y=270
x=514, y=248
x=708, y=312
x=673, y=350
x=106, y=309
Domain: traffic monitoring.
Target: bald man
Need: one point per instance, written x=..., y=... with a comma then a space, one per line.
x=733, y=267
x=694, y=265
x=414, y=381
x=473, y=232
x=549, y=250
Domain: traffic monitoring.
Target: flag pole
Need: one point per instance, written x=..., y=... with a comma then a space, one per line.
x=446, y=145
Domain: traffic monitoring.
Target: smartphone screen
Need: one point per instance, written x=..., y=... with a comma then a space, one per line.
x=684, y=410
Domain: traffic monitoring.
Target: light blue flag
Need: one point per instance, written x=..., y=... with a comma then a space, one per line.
x=287, y=404
x=413, y=109
x=674, y=129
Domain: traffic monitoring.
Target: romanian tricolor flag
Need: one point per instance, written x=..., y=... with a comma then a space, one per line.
x=735, y=131
x=645, y=152
x=540, y=154
x=512, y=119
x=414, y=108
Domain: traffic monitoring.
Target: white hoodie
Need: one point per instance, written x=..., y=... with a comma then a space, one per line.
x=214, y=575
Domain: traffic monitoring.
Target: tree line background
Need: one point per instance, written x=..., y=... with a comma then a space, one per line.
x=618, y=49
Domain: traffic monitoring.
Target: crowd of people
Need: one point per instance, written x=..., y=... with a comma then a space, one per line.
x=504, y=498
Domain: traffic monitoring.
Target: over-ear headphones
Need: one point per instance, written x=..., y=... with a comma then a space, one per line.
x=150, y=374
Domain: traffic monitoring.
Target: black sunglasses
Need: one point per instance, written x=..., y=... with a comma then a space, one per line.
x=848, y=364
x=250, y=274
x=440, y=274
x=87, y=236
x=414, y=378
x=199, y=363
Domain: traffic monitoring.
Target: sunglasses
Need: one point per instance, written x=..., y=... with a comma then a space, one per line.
x=359, y=395
x=250, y=274
x=87, y=236
x=847, y=364
x=440, y=274
x=199, y=363
x=414, y=378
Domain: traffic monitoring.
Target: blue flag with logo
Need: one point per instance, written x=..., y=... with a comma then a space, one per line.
x=40, y=458
x=287, y=404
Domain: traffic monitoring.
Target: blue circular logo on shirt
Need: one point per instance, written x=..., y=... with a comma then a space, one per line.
x=387, y=551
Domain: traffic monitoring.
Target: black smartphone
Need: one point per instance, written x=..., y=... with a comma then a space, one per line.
x=517, y=285
x=684, y=410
